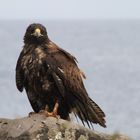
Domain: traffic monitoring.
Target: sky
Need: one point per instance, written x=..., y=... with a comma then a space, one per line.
x=69, y=9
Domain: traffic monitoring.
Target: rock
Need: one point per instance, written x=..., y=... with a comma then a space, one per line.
x=38, y=127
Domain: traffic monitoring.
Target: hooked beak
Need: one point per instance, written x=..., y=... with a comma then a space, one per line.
x=37, y=32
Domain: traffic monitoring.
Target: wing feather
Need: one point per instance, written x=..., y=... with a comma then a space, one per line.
x=59, y=84
x=68, y=78
x=19, y=74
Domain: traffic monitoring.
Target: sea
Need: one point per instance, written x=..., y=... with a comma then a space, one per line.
x=108, y=51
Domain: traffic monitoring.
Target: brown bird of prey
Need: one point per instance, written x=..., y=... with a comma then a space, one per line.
x=52, y=79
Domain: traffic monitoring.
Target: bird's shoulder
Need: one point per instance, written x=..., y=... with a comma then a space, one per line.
x=59, y=53
x=63, y=59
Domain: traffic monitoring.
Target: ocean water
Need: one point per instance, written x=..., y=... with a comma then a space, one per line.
x=108, y=52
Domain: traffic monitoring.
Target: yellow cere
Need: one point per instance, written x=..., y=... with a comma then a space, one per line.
x=37, y=30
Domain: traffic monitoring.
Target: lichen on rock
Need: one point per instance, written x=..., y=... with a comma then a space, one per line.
x=38, y=127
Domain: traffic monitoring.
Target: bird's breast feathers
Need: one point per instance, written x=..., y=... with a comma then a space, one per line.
x=40, y=53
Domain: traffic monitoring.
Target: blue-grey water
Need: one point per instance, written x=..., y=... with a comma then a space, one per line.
x=107, y=51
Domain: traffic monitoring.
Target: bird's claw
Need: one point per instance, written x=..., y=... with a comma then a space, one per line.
x=49, y=114
x=31, y=113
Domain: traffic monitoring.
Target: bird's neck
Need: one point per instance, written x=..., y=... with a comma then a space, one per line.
x=34, y=41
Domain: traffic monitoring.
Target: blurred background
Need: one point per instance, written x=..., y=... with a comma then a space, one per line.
x=104, y=35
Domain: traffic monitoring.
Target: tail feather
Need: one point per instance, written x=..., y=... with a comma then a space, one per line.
x=97, y=113
x=80, y=112
x=89, y=113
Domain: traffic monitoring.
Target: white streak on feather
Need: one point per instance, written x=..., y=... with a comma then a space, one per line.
x=60, y=70
x=58, y=78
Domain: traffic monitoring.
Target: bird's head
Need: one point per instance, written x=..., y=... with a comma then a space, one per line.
x=35, y=34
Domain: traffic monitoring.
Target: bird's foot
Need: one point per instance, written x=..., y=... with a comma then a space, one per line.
x=49, y=114
x=31, y=113
x=54, y=114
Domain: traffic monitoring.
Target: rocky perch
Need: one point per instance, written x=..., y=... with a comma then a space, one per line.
x=38, y=127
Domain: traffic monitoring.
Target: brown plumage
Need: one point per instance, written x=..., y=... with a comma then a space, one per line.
x=52, y=79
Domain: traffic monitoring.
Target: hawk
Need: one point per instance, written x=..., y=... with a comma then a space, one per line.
x=52, y=79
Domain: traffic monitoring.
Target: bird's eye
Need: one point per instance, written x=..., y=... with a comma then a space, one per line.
x=42, y=32
x=31, y=30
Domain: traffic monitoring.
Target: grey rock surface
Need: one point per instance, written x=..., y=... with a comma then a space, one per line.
x=38, y=127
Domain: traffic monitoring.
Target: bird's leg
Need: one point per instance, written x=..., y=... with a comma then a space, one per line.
x=55, y=108
x=47, y=113
x=53, y=113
